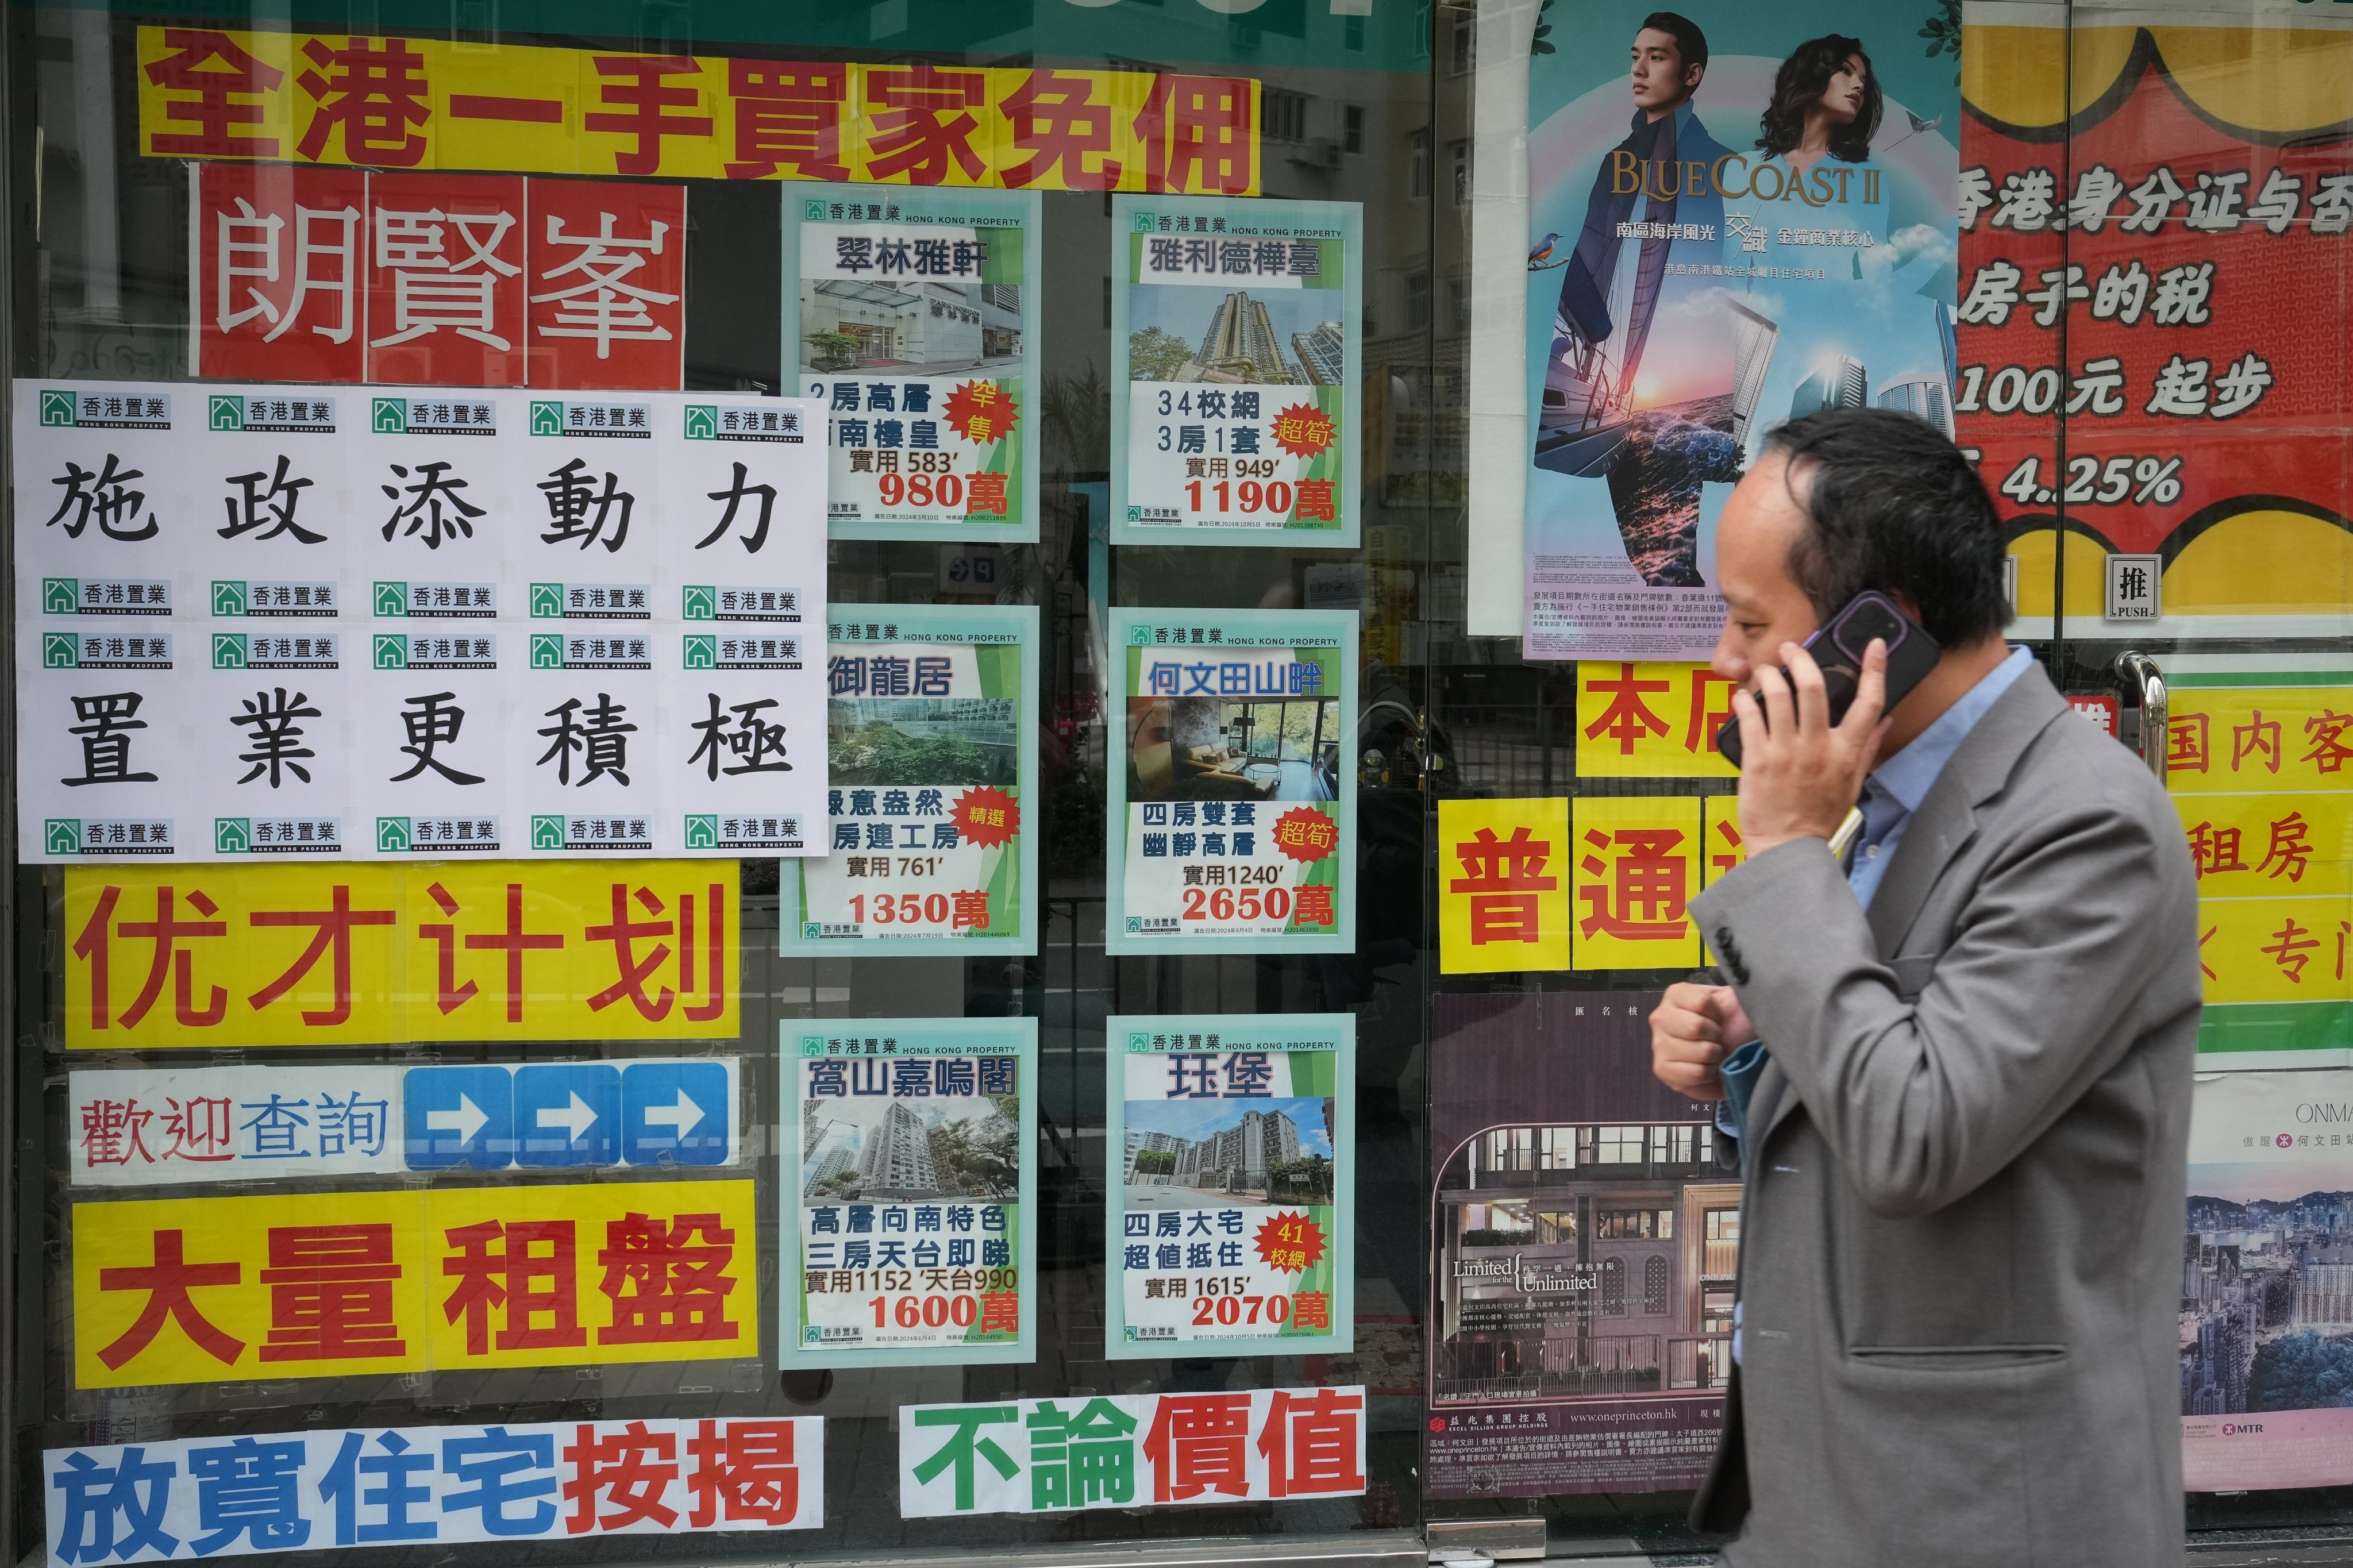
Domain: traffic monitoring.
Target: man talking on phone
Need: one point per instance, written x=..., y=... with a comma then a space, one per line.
x=1956, y=1059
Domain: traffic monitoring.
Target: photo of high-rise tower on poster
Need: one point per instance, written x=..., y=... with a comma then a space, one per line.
x=1736, y=216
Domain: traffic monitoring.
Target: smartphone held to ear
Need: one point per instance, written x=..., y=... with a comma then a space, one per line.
x=1839, y=647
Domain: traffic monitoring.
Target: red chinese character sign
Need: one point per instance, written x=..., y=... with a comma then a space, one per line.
x=945, y=696
x=1232, y=1230
x=280, y=274
x=2158, y=289
x=1578, y=1202
x=910, y=1237
x=446, y=283
x=608, y=285
x=1235, y=329
x=1231, y=823
x=1636, y=867
x=1502, y=885
x=441, y=1486
x=1130, y=1451
x=910, y=316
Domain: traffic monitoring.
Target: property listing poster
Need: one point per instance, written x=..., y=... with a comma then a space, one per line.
x=2267, y=1283
x=928, y=718
x=911, y=318
x=1235, y=365
x=1583, y=1257
x=363, y=622
x=910, y=1237
x=154, y=1502
x=2160, y=262
x=1755, y=223
x=1230, y=819
x=1234, y=1230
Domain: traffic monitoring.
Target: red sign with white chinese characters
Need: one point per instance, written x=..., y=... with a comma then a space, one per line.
x=278, y=288
x=608, y=285
x=445, y=279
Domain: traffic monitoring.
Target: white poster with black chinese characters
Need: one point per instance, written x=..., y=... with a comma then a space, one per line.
x=317, y=621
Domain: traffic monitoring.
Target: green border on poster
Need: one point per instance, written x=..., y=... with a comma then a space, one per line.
x=982, y=626
x=939, y=1037
x=801, y=203
x=1129, y=214
x=1319, y=1033
x=1133, y=631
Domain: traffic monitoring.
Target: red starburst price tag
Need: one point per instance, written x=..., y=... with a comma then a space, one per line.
x=1305, y=833
x=1290, y=1241
x=986, y=816
x=1302, y=431
x=982, y=412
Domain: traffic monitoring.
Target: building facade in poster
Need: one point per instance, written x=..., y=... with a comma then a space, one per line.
x=1234, y=1229
x=910, y=1231
x=912, y=316
x=933, y=778
x=1584, y=1255
x=364, y=623
x=1754, y=223
x=1230, y=821
x=1235, y=370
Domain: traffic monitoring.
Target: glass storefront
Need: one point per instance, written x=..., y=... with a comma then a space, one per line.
x=650, y=638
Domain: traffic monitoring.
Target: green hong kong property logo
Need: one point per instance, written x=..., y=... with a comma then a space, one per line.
x=703, y=833
x=228, y=598
x=60, y=650
x=61, y=835
x=547, y=418
x=389, y=417
x=702, y=653
x=547, y=651
x=702, y=422
x=700, y=603
x=232, y=835
x=547, y=833
x=229, y=650
x=392, y=599
x=391, y=651
x=62, y=596
x=812, y=212
x=392, y=835
x=225, y=412
x=59, y=408
x=547, y=601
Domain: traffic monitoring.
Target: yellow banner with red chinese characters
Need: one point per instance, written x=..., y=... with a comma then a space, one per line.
x=432, y=103
x=2290, y=949
x=1502, y=885
x=381, y=952
x=1637, y=861
x=1650, y=721
x=2236, y=739
x=200, y=1290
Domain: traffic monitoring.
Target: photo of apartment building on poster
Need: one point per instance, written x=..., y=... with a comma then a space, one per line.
x=1582, y=1258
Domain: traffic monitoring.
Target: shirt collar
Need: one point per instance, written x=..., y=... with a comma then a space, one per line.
x=1910, y=772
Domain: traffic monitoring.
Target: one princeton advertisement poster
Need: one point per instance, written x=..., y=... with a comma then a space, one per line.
x=1753, y=223
x=1584, y=1255
x=2267, y=1283
x=1230, y=819
x=910, y=315
x=910, y=1232
x=1233, y=1231
x=933, y=789
x=1235, y=365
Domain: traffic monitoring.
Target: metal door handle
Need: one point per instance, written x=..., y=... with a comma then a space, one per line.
x=2139, y=672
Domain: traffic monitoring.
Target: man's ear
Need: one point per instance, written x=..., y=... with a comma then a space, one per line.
x=1905, y=603
x=1692, y=75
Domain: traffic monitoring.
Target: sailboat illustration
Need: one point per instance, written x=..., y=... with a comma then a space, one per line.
x=1600, y=328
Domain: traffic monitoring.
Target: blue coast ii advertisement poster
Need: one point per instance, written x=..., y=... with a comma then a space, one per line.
x=1737, y=215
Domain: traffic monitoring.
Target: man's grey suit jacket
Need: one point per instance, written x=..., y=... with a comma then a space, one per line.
x=1961, y=1237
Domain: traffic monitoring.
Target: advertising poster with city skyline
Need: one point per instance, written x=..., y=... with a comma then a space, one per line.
x=1753, y=223
x=1233, y=1225
x=909, y=1234
x=2267, y=1284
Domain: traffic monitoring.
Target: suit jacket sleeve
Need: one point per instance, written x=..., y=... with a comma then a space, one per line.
x=1922, y=1101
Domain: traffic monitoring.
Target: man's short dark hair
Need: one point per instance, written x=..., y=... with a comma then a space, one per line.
x=1691, y=44
x=1893, y=505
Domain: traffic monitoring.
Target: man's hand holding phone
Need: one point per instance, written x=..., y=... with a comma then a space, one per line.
x=1692, y=1029
x=1801, y=774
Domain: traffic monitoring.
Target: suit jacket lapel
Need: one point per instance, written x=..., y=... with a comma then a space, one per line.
x=1938, y=832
